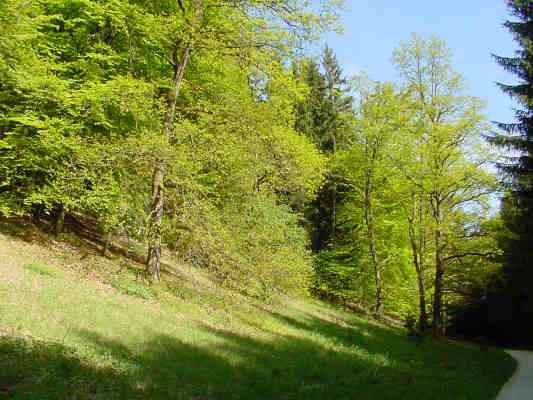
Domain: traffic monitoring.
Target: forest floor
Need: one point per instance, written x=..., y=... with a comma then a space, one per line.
x=76, y=325
x=520, y=386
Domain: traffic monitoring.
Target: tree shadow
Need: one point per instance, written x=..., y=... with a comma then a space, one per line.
x=32, y=369
x=244, y=367
x=374, y=337
x=327, y=362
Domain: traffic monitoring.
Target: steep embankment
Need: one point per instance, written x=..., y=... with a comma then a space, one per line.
x=77, y=325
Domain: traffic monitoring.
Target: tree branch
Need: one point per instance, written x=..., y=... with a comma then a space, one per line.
x=469, y=254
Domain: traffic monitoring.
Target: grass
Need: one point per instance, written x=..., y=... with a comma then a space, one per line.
x=125, y=285
x=41, y=269
x=77, y=325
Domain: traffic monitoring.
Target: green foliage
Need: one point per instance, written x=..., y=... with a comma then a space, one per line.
x=411, y=169
x=83, y=103
x=365, y=167
x=256, y=157
x=234, y=242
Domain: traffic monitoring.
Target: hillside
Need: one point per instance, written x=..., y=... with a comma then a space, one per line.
x=77, y=325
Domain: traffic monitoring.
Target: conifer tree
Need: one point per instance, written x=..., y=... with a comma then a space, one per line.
x=324, y=116
x=517, y=137
x=310, y=111
x=338, y=104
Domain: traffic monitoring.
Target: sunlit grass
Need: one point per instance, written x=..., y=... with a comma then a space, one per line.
x=41, y=269
x=81, y=326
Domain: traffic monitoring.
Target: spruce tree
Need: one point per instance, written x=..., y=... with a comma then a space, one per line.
x=310, y=111
x=517, y=210
x=324, y=117
x=338, y=104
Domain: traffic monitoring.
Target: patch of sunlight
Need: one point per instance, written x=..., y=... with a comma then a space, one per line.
x=42, y=269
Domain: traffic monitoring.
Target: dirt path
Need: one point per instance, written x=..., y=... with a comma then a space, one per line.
x=520, y=386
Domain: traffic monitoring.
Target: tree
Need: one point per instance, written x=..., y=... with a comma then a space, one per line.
x=103, y=102
x=450, y=173
x=381, y=118
x=373, y=200
x=310, y=111
x=338, y=107
x=245, y=27
x=517, y=207
x=326, y=116
x=56, y=151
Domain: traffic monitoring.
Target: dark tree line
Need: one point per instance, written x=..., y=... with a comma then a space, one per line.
x=503, y=311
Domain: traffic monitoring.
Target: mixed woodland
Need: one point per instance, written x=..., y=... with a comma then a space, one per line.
x=213, y=130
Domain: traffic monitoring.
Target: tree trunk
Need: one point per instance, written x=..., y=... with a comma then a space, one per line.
x=369, y=220
x=417, y=262
x=153, y=259
x=105, y=248
x=439, y=272
x=334, y=197
x=334, y=210
x=423, y=317
x=418, y=254
x=437, y=300
x=60, y=220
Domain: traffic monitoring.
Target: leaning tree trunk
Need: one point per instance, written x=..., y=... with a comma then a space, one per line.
x=153, y=260
x=369, y=219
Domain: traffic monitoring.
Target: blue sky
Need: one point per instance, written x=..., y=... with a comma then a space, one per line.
x=472, y=29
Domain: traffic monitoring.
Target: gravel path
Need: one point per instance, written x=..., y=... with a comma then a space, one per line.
x=520, y=386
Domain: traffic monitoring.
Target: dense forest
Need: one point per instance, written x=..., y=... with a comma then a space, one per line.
x=209, y=130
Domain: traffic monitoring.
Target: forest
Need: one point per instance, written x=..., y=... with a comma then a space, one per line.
x=211, y=132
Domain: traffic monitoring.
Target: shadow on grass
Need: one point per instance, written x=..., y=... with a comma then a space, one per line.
x=315, y=359
x=31, y=369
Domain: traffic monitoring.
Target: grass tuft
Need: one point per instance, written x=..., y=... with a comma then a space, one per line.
x=126, y=285
x=41, y=269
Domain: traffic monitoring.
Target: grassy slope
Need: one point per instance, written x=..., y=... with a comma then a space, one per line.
x=69, y=329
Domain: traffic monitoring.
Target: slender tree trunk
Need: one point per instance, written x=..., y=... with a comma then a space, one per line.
x=437, y=300
x=334, y=196
x=417, y=262
x=369, y=220
x=439, y=272
x=153, y=260
x=334, y=210
x=417, y=251
x=423, y=316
